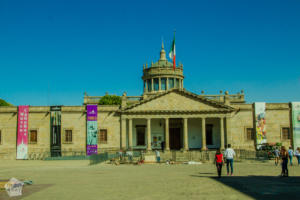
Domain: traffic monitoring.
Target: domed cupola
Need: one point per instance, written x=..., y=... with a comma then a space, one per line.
x=161, y=76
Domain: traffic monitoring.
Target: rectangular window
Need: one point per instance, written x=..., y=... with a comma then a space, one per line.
x=163, y=82
x=171, y=83
x=177, y=83
x=285, y=131
x=102, y=136
x=156, y=84
x=33, y=136
x=68, y=136
x=149, y=85
x=249, y=134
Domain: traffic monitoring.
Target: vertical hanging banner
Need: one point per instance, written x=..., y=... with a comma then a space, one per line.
x=22, y=139
x=296, y=124
x=92, y=129
x=55, y=132
x=260, y=122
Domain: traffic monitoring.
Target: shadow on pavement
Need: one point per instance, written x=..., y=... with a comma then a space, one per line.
x=262, y=187
x=27, y=190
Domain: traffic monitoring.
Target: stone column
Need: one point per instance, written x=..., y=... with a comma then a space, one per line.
x=167, y=135
x=130, y=133
x=222, y=132
x=146, y=85
x=203, y=134
x=123, y=133
x=228, y=130
x=179, y=86
x=152, y=86
x=149, y=134
x=167, y=83
x=185, y=134
x=182, y=83
x=159, y=84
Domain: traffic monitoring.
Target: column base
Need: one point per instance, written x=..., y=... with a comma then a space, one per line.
x=183, y=149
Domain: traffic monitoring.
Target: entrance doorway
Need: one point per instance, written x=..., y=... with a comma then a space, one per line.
x=209, y=134
x=140, y=136
x=175, y=138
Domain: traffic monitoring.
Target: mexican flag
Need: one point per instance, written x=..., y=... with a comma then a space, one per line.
x=172, y=53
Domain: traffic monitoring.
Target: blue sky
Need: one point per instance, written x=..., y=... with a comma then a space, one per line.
x=51, y=52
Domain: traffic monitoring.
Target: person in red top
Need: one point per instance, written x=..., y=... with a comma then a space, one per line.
x=219, y=160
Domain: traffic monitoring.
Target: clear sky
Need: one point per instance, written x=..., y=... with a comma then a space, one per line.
x=51, y=52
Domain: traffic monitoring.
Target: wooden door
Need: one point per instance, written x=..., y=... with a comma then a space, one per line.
x=209, y=134
x=175, y=138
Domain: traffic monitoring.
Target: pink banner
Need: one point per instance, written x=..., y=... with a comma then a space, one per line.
x=22, y=141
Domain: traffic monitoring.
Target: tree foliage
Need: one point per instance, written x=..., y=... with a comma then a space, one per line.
x=4, y=103
x=110, y=100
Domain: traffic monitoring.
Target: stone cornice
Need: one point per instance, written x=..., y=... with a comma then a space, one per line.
x=175, y=111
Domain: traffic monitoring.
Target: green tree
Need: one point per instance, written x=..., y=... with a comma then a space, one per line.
x=4, y=103
x=110, y=100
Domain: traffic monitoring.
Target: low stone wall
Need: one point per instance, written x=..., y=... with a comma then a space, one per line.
x=207, y=156
x=177, y=156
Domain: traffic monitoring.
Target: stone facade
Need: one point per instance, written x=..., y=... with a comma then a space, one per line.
x=166, y=116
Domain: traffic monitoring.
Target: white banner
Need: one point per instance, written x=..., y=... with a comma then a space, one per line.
x=296, y=124
x=260, y=123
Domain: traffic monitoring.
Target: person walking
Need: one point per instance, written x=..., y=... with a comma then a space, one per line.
x=229, y=154
x=284, y=163
x=291, y=154
x=219, y=160
x=157, y=156
x=297, y=154
x=277, y=153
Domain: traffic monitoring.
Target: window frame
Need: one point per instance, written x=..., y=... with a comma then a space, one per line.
x=99, y=139
x=149, y=85
x=31, y=142
x=65, y=136
x=171, y=83
x=156, y=84
x=289, y=136
x=163, y=80
x=252, y=138
x=176, y=83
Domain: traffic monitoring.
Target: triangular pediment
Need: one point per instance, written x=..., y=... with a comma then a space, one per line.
x=178, y=100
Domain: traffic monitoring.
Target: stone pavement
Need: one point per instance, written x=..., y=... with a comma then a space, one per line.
x=77, y=180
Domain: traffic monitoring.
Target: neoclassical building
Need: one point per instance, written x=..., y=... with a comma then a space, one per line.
x=166, y=115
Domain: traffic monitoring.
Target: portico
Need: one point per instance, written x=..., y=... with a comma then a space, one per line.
x=191, y=133
x=152, y=124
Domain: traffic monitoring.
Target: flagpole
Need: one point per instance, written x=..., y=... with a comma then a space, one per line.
x=174, y=56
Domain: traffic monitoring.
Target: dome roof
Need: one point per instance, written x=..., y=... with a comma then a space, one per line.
x=162, y=62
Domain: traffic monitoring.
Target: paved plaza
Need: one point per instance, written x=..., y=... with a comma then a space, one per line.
x=77, y=180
